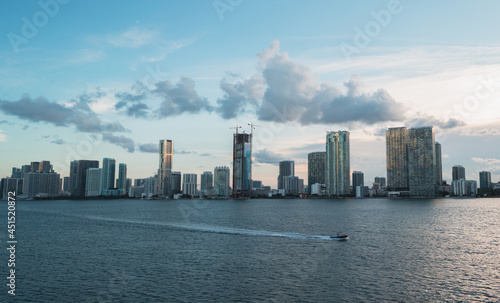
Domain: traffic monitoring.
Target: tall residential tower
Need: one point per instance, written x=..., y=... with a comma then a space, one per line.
x=337, y=164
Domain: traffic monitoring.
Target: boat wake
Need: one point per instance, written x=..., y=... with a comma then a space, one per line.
x=220, y=229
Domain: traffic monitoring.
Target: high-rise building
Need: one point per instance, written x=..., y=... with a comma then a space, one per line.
x=17, y=173
x=81, y=175
x=397, y=158
x=316, y=163
x=485, y=180
x=108, y=175
x=337, y=176
x=287, y=168
x=165, y=168
x=291, y=185
x=35, y=167
x=358, y=183
x=94, y=182
x=44, y=167
x=176, y=182
x=11, y=185
x=207, y=180
x=242, y=168
x=41, y=184
x=189, y=184
x=122, y=179
x=150, y=186
x=66, y=184
x=380, y=181
x=73, y=174
x=25, y=169
x=439, y=165
x=221, y=181
x=421, y=162
x=458, y=172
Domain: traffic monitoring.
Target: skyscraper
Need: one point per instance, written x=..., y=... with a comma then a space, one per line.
x=485, y=180
x=316, y=163
x=337, y=174
x=207, y=180
x=93, y=183
x=165, y=168
x=242, y=168
x=122, y=179
x=189, y=184
x=397, y=158
x=458, y=172
x=380, y=181
x=176, y=182
x=35, y=167
x=439, y=165
x=73, y=174
x=358, y=183
x=287, y=168
x=44, y=167
x=81, y=175
x=221, y=181
x=421, y=162
x=108, y=174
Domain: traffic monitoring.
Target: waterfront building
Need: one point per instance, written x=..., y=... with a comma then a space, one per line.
x=81, y=175
x=108, y=174
x=464, y=187
x=421, y=162
x=14, y=185
x=207, y=181
x=242, y=168
x=35, y=167
x=17, y=173
x=150, y=186
x=189, y=184
x=41, y=185
x=176, y=182
x=439, y=164
x=66, y=184
x=316, y=164
x=381, y=182
x=485, y=180
x=165, y=168
x=73, y=174
x=337, y=175
x=286, y=168
x=290, y=185
x=122, y=179
x=358, y=183
x=94, y=182
x=458, y=172
x=397, y=159
x=221, y=181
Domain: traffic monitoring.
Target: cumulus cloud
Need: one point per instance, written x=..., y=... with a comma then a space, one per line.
x=79, y=114
x=149, y=148
x=489, y=161
x=122, y=141
x=285, y=91
x=179, y=98
x=267, y=156
x=421, y=120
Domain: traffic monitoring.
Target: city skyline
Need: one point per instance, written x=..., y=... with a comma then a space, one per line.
x=189, y=72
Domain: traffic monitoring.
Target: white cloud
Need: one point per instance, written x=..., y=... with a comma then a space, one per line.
x=133, y=37
x=489, y=161
x=3, y=137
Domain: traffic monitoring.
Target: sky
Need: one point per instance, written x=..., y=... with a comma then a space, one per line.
x=95, y=79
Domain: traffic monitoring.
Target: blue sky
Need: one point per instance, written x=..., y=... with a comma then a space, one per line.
x=95, y=79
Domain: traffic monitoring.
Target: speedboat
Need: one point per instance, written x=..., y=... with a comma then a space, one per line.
x=339, y=237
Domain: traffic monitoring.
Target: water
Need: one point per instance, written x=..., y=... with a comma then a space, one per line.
x=256, y=251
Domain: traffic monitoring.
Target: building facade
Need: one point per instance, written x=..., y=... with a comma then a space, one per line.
x=316, y=164
x=81, y=175
x=286, y=168
x=421, y=162
x=189, y=184
x=337, y=176
x=108, y=174
x=122, y=179
x=397, y=158
x=242, y=168
x=165, y=168
x=458, y=172
x=358, y=183
x=207, y=181
x=485, y=180
x=439, y=164
x=221, y=181
x=93, y=183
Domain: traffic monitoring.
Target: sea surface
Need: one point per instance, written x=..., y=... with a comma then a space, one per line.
x=441, y=250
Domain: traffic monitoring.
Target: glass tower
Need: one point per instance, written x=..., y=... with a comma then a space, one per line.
x=337, y=163
x=165, y=168
x=241, y=165
x=397, y=158
x=316, y=163
x=422, y=162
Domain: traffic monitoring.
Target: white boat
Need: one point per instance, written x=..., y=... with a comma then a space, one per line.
x=339, y=236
